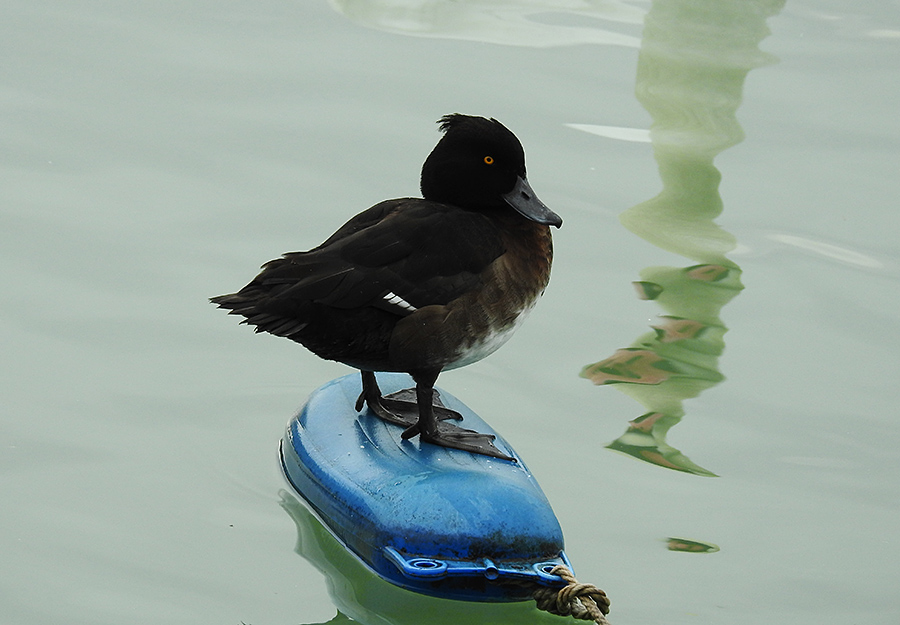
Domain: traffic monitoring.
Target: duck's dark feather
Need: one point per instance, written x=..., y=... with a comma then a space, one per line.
x=398, y=256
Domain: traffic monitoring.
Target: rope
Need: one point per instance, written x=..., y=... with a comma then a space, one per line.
x=581, y=601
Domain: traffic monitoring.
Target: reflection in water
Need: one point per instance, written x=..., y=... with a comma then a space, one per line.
x=364, y=597
x=677, y=360
x=690, y=546
x=828, y=250
x=695, y=55
x=532, y=23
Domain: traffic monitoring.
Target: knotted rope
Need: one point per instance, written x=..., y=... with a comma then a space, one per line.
x=581, y=601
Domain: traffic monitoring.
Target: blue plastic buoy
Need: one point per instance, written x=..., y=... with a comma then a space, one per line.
x=440, y=521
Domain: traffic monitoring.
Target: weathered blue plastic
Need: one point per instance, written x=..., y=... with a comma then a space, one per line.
x=439, y=521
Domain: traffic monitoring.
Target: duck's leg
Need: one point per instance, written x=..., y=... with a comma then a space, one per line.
x=431, y=430
x=399, y=408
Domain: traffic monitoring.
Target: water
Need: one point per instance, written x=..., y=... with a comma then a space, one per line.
x=154, y=155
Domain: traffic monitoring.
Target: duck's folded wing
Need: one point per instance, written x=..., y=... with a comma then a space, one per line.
x=414, y=254
x=399, y=256
x=363, y=220
x=423, y=253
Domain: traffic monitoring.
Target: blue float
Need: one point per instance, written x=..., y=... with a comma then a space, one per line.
x=439, y=521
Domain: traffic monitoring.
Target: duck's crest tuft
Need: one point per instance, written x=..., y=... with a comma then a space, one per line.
x=457, y=119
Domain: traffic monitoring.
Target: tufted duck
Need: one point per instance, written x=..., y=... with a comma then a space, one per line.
x=419, y=285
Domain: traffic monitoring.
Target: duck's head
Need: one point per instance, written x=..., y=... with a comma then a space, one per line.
x=480, y=164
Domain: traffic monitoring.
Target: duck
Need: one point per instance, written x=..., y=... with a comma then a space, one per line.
x=419, y=285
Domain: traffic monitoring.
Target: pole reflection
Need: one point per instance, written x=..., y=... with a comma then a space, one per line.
x=694, y=58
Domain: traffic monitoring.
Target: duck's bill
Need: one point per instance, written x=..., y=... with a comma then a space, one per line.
x=524, y=200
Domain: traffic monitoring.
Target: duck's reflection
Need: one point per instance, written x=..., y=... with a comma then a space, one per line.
x=694, y=58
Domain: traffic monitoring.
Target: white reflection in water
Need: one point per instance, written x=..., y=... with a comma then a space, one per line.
x=835, y=252
x=884, y=34
x=504, y=22
x=636, y=135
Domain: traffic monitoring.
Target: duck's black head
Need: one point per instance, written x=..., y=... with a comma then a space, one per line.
x=480, y=164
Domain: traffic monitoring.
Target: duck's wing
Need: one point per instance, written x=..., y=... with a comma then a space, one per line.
x=399, y=256
x=422, y=252
x=363, y=220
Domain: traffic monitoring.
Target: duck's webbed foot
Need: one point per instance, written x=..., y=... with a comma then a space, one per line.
x=400, y=408
x=431, y=428
x=455, y=437
x=406, y=400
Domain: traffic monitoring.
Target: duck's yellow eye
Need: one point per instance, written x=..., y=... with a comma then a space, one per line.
x=489, y=160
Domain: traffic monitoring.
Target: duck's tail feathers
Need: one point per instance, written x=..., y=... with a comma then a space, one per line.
x=238, y=304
